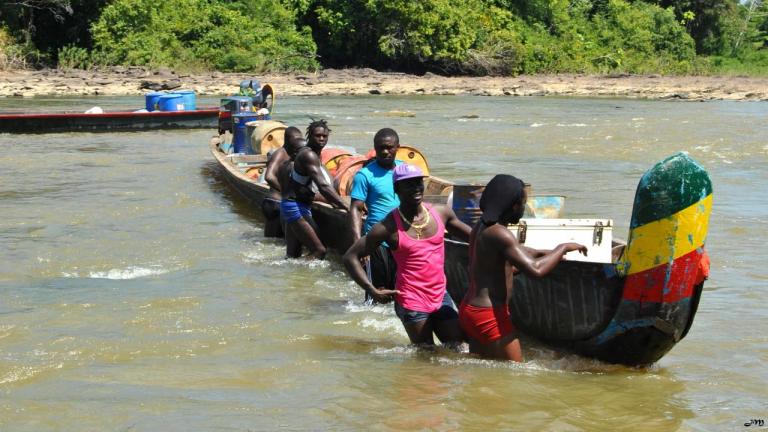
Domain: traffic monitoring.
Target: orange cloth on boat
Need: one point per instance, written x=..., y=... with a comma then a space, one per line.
x=703, y=271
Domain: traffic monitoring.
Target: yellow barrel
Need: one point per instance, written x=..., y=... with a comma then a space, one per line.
x=412, y=156
x=266, y=135
x=409, y=155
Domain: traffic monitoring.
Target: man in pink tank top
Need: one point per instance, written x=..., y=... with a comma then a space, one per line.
x=414, y=232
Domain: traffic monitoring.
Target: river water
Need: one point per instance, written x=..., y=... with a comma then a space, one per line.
x=137, y=291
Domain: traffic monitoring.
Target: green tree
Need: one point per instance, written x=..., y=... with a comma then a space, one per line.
x=714, y=24
x=21, y=14
x=761, y=25
x=203, y=34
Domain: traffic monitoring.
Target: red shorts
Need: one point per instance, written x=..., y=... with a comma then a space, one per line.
x=485, y=324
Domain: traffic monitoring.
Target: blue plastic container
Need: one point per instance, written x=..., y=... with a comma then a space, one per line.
x=466, y=202
x=189, y=99
x=151, y=99
x=171, y=102
x=241, y=142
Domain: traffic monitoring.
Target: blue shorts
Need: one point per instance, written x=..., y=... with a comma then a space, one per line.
x=291, y=211
x=446, y=312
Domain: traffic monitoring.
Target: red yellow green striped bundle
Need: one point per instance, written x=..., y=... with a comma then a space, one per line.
x=665, y=258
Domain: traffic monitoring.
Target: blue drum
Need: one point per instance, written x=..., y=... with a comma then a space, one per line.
x=190, y=104
x=151, y=99
x=241, y=140
x=171, y=102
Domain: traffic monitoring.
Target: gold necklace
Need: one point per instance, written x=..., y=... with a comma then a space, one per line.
x=416, y=227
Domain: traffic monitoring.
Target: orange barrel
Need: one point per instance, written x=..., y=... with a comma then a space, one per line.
x=266, y=135
x=331, y=157
x=333, y=165
x=346, y=171
x=409, y=155
x=255, y=172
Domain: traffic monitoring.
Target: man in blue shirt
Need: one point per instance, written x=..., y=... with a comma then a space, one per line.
x=373, y=192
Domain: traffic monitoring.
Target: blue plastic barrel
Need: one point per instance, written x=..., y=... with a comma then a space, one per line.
x=241, y=142
x=171, y=102
x=189, y=99
x=151, y=99
x=466, y=202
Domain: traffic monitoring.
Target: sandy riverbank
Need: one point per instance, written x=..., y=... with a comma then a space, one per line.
x=136, y=81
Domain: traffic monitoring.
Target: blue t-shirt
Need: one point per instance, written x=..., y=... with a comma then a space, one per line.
x=373, y=185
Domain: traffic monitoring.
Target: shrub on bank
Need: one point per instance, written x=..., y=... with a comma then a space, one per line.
x=475, y=37
x=750, y=63
x=15, y=55
x=198, y=34
x=11, y=53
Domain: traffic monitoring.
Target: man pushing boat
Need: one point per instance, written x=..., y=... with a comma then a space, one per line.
x=317, y=137
x=484, y=313
x=300, y=179
x=414, y=232
x=373, y=192
x=270, y=206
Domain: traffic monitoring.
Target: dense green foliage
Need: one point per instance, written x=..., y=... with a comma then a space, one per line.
x=449, y=36
x=199, y=33
x=479, y=37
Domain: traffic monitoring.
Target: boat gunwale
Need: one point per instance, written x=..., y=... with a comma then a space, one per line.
x=107, y=114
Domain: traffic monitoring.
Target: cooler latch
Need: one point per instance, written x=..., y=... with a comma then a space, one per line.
x=597, y=234
x=522, y=229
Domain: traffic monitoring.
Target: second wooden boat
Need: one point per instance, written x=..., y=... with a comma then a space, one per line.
x=114, y=121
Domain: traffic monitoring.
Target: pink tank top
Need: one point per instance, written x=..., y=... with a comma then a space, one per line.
x=420, y=273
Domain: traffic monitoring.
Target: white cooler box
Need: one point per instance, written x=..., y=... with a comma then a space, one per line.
x=595, y=234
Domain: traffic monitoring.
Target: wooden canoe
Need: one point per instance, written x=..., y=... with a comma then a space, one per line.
x=631, y=311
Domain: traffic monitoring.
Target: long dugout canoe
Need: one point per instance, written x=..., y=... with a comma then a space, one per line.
x=630, y=311
x=108, y=121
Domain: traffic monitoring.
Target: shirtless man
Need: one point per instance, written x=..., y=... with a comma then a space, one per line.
x=414, y=232
x=270, y=207
x=300, y=179
x=484, y=312
x=317, y=137
x=318, y=133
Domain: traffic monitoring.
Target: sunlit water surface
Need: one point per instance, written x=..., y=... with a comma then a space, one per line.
x=138, y=293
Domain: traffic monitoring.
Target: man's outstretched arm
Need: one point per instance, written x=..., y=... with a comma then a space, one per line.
x=315, y=172
x=517, y=255
x=363, y=247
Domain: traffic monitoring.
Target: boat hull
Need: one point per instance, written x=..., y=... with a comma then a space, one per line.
x=590, y=309
x=579, y=307
x=108, y=121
